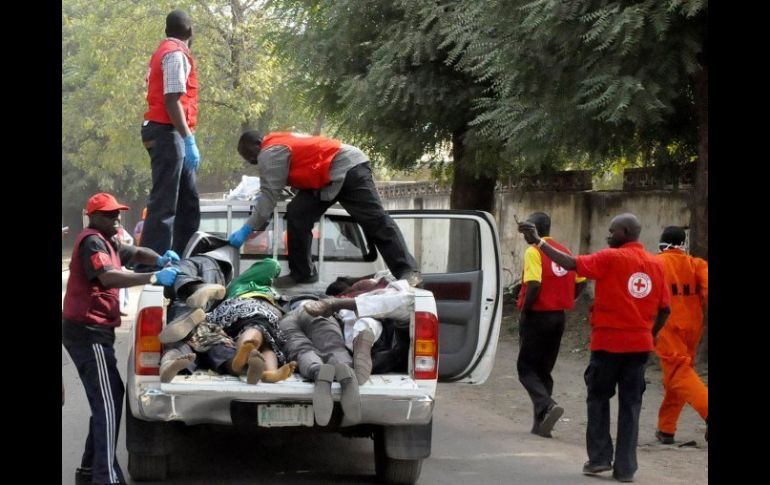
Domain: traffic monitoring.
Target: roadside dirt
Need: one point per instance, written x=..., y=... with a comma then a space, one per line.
x=505, y=396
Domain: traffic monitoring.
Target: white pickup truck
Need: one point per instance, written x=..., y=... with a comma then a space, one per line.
x=458, y=312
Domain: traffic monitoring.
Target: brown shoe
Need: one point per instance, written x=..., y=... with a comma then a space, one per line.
x=170, y=368
x=323, y=404
x=350, y=399
x=204, y=294
x=362, y=355
x=183, y=326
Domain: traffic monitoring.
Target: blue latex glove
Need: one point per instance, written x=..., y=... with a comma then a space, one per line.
x=167, y=276
x=192, y=156
x=168, y=257
x=239, y=237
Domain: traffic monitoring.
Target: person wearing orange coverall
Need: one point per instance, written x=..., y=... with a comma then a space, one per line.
x=677, y=342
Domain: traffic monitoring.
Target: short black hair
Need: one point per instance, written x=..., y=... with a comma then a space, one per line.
x=247, y=142
x=337, y=287
x=178, y=25
x=342, y=284
x=542, y=222
x=673, y=235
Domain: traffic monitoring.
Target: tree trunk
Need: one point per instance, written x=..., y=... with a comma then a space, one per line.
x=319, y=125
x=469, y=190
x=699, y=226
x=699, y=236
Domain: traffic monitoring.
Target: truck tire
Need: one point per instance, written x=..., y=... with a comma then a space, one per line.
x=391, y=470
x=149, y=445
x=147, y=467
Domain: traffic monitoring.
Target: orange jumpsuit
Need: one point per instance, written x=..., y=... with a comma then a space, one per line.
x=677, y=343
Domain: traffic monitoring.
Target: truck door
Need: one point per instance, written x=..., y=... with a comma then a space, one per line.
x=458, y=253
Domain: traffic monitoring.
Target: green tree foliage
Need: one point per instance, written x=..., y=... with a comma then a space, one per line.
x=381, y=69
x=105, y=51
x=592, y=80
x=605, y=78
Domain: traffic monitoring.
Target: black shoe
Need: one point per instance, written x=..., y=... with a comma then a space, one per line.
x=288, y=281
x=549, y=421
x=664, y=438
x=594, y=469
x=83, y=476
x=622, y=478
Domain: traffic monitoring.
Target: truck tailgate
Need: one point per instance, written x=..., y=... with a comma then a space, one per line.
x=295, y=387
x=386, y=399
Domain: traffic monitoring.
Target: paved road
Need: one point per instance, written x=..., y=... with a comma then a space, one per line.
x=473, y=442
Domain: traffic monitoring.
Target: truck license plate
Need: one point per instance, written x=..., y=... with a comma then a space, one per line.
x=272, y=415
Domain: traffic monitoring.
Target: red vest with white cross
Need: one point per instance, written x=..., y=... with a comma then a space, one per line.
x=88, y=301
x=557, y=286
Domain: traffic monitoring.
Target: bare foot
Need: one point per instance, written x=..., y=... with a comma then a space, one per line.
x=169, y=369
x=282, y=373
x=256, y=367
x=239, y=361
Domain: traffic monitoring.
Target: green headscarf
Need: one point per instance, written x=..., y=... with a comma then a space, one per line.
x=257, y=278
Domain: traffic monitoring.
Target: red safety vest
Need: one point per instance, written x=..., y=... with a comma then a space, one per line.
x=311, y=158
x=88, y=301
x=557, y=286
x=157, y=108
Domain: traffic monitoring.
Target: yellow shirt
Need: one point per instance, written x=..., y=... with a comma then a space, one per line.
x=533, y=266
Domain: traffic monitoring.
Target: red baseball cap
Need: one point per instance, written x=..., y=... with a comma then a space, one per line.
x=103, y=202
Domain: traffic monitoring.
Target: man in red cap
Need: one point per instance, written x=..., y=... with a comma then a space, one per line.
x=90, y=313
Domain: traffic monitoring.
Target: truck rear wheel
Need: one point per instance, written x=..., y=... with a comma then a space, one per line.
x=147, y=467
x=391, y=470
x=149, y=445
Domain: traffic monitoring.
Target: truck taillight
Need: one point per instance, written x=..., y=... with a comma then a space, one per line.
x=425, y=345
x=147, y=346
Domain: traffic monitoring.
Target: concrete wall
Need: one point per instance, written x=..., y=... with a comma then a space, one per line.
x=580, y=220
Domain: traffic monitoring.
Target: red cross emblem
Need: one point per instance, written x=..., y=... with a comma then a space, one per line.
x=639, y=285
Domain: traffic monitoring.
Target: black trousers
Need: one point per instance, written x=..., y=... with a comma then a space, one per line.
x=605, y=372
x=539, y=341
x=193, y=272
x=98, y=371
x=173, y=208
x=359, y=197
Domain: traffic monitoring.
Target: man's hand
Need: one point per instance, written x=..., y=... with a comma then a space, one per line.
x=167, y=276
x=192, y=156
x=168, y=257
x=530, y=232
x=239, y=237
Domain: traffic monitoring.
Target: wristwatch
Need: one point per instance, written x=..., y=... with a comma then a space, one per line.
x=153, y=279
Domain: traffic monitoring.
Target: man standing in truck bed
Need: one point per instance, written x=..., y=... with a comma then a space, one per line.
x=325, y=171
